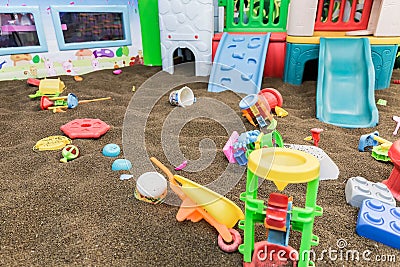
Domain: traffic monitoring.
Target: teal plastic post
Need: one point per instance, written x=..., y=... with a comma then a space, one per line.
x=149, y=24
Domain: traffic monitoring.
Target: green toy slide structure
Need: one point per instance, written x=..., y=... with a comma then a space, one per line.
x=148, y=12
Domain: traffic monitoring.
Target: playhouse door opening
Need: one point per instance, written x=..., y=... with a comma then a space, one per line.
x=310, y=70
x=183, y=55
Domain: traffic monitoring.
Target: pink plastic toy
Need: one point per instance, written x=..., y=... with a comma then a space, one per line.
x=228, y=148
x=393, y=182
x=85, y=128
x=182, y=166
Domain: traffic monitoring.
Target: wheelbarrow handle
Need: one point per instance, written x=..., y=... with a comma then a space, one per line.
x=173, y=184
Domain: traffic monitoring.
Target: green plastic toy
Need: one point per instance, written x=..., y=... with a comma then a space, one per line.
x=272, y=139
x=148, y=11
x=273, y=17
x=69, y=152
x=282, y=166
x=380, y=153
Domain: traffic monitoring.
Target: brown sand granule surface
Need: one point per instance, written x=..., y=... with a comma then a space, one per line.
x=81, y=214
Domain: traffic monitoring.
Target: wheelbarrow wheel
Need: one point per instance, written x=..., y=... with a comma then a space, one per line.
x=233, y=246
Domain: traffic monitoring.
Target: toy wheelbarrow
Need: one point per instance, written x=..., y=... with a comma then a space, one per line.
x=199, y=202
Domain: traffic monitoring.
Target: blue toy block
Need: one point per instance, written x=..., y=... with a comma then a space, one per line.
x=358, y=188
x=367, y=140
x=240, y=156
x=380, y=222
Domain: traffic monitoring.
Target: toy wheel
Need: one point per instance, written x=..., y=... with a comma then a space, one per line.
x=233, y=246
x=70, y=152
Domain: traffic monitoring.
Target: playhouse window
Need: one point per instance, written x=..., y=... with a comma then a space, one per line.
x=79, y=27
x=343, y=15
x=89, y=27
x=20, y=31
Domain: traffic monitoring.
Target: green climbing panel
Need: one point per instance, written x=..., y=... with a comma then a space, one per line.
x=148, y=12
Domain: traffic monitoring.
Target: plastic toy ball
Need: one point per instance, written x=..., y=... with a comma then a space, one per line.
x=69, y=152
x=111, y=150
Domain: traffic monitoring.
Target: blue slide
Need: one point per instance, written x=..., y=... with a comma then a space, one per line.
x=239, y=63
x=346, y=77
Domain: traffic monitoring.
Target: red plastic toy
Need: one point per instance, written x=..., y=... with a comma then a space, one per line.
x=85, y=128
x=393, y=182
x=275, y=217
x=33, y=82
x=273, y=97
x=330, y=23
x=315, y=135
x=269, y=254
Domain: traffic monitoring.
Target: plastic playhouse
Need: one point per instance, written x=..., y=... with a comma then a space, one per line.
x=282, y=166
x=354, y=43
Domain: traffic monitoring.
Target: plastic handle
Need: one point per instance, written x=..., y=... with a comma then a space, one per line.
x=381, y=140
x=173, y=184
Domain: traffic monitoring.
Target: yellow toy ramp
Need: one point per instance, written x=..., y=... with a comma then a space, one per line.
x=283, y=166
x=219, y=207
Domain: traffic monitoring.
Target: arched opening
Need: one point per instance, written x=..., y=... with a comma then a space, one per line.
x=310, y=70
x=183, y=55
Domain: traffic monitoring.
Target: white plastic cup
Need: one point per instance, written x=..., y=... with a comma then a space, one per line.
x=183, y=97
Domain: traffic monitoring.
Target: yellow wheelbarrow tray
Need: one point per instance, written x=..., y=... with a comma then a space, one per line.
x=199, y=202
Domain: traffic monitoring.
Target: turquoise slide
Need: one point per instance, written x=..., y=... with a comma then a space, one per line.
x=345, y=91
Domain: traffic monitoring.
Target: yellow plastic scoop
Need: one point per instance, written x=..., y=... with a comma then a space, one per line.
x=55, y=142
x=280, y=112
